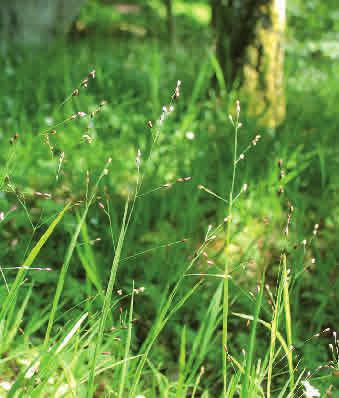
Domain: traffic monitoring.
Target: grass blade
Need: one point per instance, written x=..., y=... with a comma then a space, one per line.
x=28, y=262
x=106, y=306
x=248, y=368
x=71, y=333
x=87, y=259
x=68, y=257
x=127, y=348
x=62, y=277
x=182, y=365
x=274, y=330
x=268, y=326
x=159, y=325
x=288, y=320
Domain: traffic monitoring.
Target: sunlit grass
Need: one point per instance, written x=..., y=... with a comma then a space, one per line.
x=200, y=11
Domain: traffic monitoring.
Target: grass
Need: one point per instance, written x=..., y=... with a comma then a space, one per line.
x=67, y=260
x=245, y=390
x=106, y=305
x=145, y=300
x=229, y=217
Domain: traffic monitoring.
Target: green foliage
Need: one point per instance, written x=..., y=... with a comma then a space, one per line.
x=139, y=305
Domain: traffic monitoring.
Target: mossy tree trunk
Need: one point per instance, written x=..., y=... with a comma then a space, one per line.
x=36, y=21
x=249, y=47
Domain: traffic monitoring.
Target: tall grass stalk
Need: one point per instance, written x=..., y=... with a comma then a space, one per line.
x=227, y=251
x=274, y=331
x=127, y=348
x=12, y=294
x=197, y=382
x=87, y=260
x=182, y=365
x=249, y=360
x=117, y=255
x=165, y=315
x=69, y=255
x=167, y=311
x=268, y=326
x=204, y=336
x=288, y=321
x=107, y=304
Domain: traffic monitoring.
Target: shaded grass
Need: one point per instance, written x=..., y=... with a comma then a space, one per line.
x=130, y=82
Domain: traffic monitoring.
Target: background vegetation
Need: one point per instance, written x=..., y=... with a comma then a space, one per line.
x=178, y=336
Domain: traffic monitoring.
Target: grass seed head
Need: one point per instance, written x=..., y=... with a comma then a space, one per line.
x=238, y=107
x=14, y=138
x=84, y=83
x=87, y=138
x=176, y=94
x=92, y=74
x=256, y=139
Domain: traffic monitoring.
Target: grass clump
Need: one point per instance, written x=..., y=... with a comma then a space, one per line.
x=146, y=302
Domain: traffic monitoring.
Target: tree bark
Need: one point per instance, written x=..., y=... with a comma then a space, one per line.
x=249, y=48
x=36, y=21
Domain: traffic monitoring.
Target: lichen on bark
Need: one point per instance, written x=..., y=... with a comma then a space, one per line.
x=263, y=83
x=249, y=47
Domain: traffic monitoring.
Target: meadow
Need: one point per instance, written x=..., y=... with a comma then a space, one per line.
x=142, y=207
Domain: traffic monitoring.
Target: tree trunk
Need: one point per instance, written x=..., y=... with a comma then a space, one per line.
x=36, y=21
x=249, y=36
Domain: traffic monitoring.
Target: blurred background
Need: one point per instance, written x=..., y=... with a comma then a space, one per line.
x=280, y=60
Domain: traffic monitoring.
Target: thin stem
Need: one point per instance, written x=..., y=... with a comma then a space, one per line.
x=227, y=260
x=68, y=257
x=288, y=321
x=127, y=348
x=274, y=332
